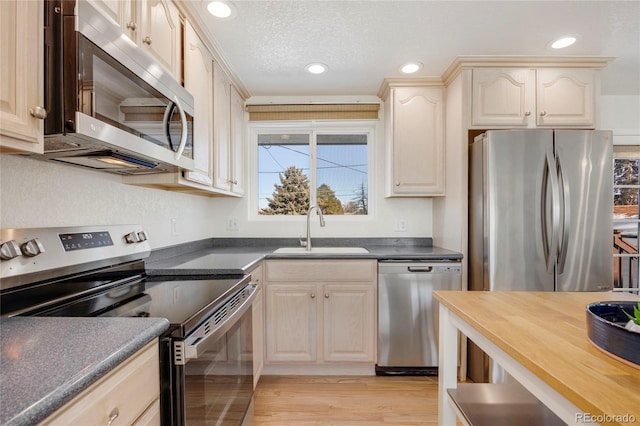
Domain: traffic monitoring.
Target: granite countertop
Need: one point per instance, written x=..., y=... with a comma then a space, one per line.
x=45, y=362
x=240, y=255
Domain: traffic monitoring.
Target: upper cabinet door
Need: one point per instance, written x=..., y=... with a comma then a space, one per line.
x=221, y=130
x=237, y=142
x=417, y=137
x=566, y=97
x=160, y=33
x=198, y=80
x=155, y=25
x=21, y=78
x=121, y=12
x=503, y=97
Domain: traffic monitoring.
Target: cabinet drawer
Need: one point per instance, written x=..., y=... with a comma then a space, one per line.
x=320, y=270
x=151, y=417
x=130, y=388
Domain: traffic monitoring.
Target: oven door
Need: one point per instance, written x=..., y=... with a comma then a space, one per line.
x=213, y=371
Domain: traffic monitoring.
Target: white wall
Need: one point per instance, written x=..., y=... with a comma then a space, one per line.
x=416, y=212
x=622, y=115
x=40, y=194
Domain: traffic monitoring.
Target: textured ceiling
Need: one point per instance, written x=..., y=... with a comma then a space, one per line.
x=268, y=43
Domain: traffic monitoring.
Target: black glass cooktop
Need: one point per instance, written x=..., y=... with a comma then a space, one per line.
x=185, y=303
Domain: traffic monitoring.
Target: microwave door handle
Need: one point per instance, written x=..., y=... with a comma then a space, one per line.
x=168, y=112
x=183, y=137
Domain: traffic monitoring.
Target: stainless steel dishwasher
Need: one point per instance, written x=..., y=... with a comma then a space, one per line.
x=408, y=314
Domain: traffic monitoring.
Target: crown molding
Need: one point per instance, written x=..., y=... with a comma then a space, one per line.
x=390, y=82
x=504, y=61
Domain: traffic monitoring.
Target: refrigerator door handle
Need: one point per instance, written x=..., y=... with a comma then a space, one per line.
x=550, y=180
x=565, y=215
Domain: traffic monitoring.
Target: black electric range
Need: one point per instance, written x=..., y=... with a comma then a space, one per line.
x=100, y=271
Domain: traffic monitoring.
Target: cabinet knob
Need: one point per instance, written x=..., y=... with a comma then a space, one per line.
x=113, y=415
x=398, y=183
x=543, y=113
x=326, y=295
x=132, y=26
x=527, y=114
x=147, y=40
x=313, y=295
x=38, y=112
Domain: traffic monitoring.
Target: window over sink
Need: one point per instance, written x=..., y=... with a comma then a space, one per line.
x=318, y=164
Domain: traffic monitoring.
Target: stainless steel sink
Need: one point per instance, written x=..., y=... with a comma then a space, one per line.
x=322, y=250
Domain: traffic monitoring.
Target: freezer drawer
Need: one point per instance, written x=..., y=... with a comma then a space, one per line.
x=408, y=314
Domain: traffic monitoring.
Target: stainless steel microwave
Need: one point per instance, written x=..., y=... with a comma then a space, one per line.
x=109, y=105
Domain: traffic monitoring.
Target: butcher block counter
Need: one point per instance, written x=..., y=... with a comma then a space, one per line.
x=540, y=338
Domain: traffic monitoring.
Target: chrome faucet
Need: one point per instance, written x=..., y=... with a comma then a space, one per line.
x=308, y=242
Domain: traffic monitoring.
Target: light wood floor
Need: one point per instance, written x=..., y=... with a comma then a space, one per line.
x=344, y=400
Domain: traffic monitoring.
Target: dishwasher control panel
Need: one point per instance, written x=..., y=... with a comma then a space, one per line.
x=446, y=268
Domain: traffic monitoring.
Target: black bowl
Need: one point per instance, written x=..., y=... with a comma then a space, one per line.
x=605, y=328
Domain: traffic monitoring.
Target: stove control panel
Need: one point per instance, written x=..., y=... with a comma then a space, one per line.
x=40, y=253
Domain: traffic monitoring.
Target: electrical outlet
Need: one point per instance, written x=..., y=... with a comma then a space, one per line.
x=401, y=225
x=232, y=224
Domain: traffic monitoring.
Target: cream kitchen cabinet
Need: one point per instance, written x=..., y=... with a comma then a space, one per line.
x=130, y=394
x=414, y=120
x=228, y=134
x=237, y=141
x=320, y=311
x=198, y=80
x=525, y=97
x=155, y=25
x=21, y=78
x=219, y=121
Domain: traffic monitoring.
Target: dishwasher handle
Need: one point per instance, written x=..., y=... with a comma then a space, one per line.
x=420, y=268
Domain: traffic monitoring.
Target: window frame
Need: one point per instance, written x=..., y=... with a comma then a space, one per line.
x=312, y=128
x=627, y=152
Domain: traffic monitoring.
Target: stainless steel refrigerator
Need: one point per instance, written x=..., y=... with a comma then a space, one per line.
x=541, y=216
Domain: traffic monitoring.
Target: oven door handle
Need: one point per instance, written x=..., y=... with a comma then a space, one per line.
x=192, y=346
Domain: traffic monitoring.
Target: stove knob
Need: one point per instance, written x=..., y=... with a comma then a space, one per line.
x=9, y=250
x=131, y=238
x=142, y=236
x=32, y=248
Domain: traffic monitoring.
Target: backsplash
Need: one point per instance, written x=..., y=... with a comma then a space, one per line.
x=40, y=194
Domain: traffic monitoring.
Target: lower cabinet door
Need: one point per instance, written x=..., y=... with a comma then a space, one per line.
x=349, y=322
x=291, y=322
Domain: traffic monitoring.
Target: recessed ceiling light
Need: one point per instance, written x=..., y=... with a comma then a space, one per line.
x=316, y=68
x=563, y=42
x=411, y=67
x=221, y=9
